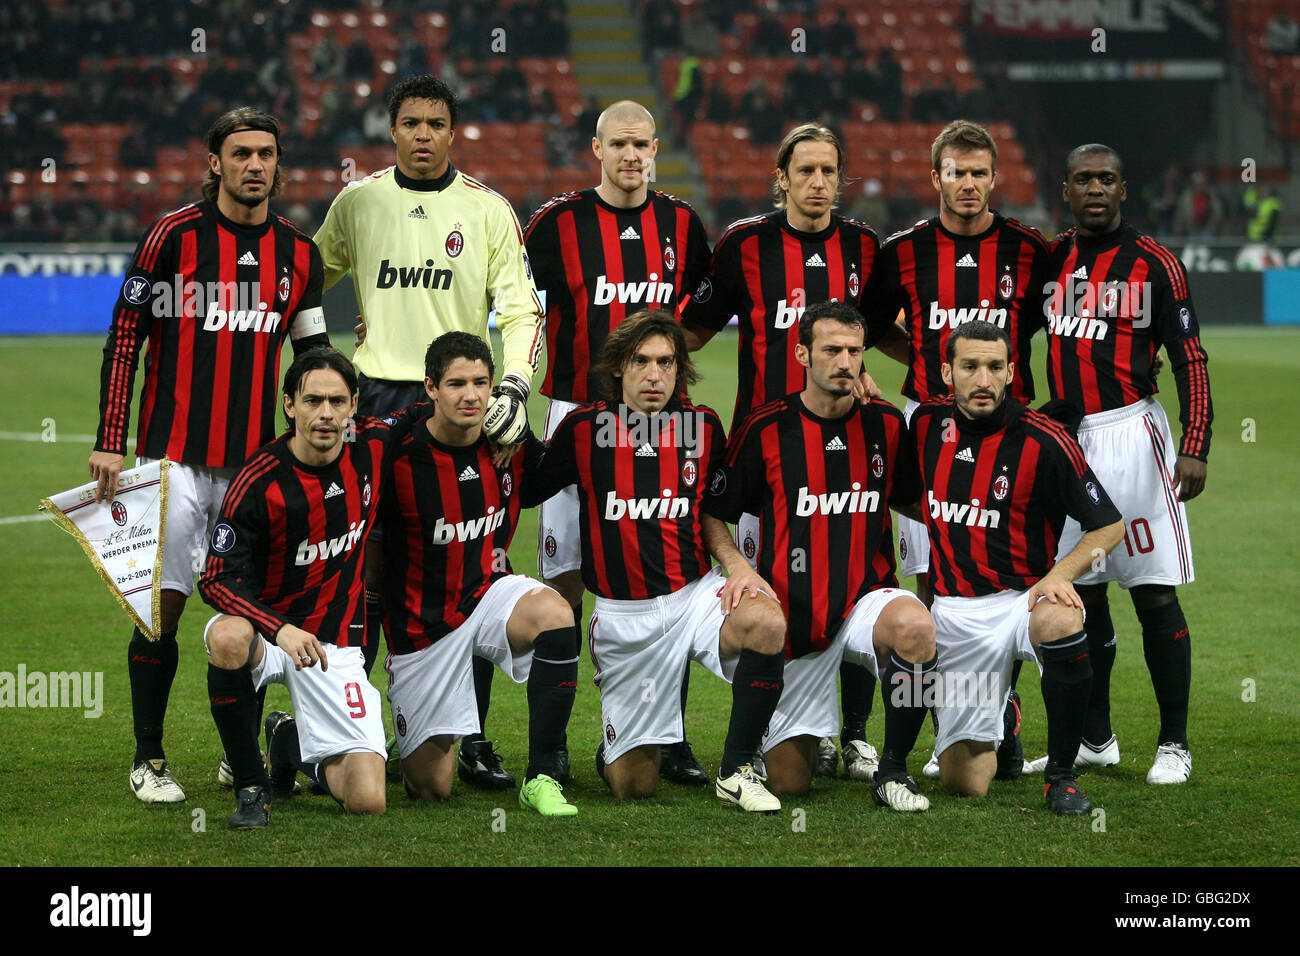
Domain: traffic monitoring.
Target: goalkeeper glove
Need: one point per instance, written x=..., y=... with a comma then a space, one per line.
x=506, y=421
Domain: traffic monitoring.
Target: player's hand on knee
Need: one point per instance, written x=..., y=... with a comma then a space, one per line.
x=360, y=331
x=1056, y=590
x=301, y=646
x=865, y=388
x=506, y=421
x=1189, y=477
x=747, y=582
x=104, y=469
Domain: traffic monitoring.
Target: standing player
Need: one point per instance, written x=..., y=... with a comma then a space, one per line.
x=599, y=254
x=641, y=462
x=999, y=480
x=766, y=270
x=1116, y=297
x=215, y=287
x=285, y=573
x=968, y=262
x=450, y=513
x=820, y=470
x=432, y=251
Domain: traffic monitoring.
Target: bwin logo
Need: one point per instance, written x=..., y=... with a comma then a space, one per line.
x=1073, y=326
x=971, y=515
x=955, y=317
x=444, y=531
x=241, y=320
x=651, y=292
x=667, y=507
x=841, y=502
x=309, y=552
x=414, y=277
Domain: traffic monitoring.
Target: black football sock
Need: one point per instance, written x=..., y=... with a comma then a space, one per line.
x=905, y=688
x=234, y=704
x=1067, y=677
x=755, y=692
x=1101, y=647
x=285, y=752
x=686, y=686
x=374, y=628
x=857, y=688
x=577, y=620
x=151, y=666
x=1015, y=671
x=483, y=669
x=552, y=685
x=1167, y=647
x=258, y=712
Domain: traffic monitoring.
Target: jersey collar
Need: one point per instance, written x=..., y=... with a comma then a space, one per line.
x=425, y=185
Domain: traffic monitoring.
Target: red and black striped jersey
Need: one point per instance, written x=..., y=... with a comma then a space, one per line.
x=288, y=546
x=997, y=492
x=640, y=481
x=822, y=489
x=597, y=264
x=448, y=516
x=215, y=299
x=1113, y=301
x=940, y=280
x=766, y=272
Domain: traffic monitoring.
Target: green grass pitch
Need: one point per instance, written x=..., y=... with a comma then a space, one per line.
x=63, y=776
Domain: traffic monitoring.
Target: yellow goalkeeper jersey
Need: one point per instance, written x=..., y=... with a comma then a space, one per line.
x=429, y=261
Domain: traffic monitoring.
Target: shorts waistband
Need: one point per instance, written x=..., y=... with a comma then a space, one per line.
x=663, y=603
x=1117, y=415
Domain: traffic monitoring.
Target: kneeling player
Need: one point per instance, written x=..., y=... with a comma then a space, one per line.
x=821, y=472
x=999, y=480
x=449, y=513
x=285, y=569
x=641, y=463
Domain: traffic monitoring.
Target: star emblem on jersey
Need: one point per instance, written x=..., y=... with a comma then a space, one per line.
x=469, y=474
x=629, y=233
x=835, y=444
x=334, y=490
x=965, y=455
x=967, y=262
x=878, y=466
x=1080, y=273
x=417, y=213
x=646, y=451
x=1000, y=487
x=248, y=259
x=816, y=260
x=1006, y=285
x=455, y=243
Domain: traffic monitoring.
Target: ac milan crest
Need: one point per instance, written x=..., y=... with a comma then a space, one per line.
x=455, y=243
x=670, y=258
x=1109, y=299
x=284, y=288
x=550, y=545
x=119, y=513
x=609, y=733
x=1006, y=285
x=507, y=484
x=400, y=723
x=878, y=466
x=365, y=495
x=854, y=286
x=688, y=473
x=1000, y=487
x=902, y=547
x=750, y=548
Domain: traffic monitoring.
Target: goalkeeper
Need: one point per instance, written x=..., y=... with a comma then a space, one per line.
x=432, y=251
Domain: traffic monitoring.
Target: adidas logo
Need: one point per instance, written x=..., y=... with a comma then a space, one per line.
x=334, y=489
x=646, y=451
x=417, y=213
x=835, y=444
x=629, y=233
x=967, y=262
x=248, y=259
x=816, y=260
x=965, y=455
x=1080, y=273
x=469, y=474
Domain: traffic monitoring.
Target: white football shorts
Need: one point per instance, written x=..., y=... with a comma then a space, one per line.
x=640, y=650
x=338, y=710
x=1132, y=453
x=913, y=536
x=194, y=496
x=978, y=640
x=431, y=692
x=809, y=703
x=559, y=542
